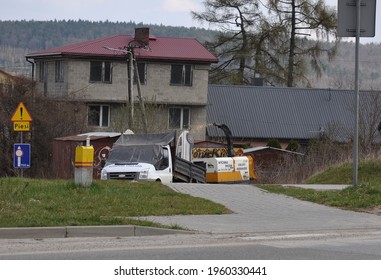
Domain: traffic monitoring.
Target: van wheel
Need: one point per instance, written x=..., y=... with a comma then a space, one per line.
x=158, y=180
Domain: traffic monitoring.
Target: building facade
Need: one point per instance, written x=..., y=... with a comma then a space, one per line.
x=173, y=76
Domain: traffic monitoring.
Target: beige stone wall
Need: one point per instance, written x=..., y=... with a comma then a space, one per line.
x=77, y=85
x=157, y=86
x=51, y=87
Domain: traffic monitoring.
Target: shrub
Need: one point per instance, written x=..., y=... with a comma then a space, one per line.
x=274, y=143
x=293, y=146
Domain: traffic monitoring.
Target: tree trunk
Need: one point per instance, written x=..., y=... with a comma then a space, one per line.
x=290, y=74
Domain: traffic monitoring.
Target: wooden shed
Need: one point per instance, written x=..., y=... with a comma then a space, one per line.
x=63, y=156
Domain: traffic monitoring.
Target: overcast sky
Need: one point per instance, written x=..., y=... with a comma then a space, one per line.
x=166, y=12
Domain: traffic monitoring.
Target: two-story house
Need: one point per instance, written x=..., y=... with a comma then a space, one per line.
x=173, y=73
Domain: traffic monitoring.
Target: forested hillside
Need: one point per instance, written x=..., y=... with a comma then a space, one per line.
x=17, y=38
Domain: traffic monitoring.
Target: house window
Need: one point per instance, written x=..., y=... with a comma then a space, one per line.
x=181, y=74
x=179, y=118
x=42, y=73
x=99, y=115
x=59, y=71
x=142, y=71
x=100, y=71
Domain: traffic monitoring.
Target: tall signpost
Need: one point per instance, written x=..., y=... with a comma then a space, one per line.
x=364, y=13
x=21, y=152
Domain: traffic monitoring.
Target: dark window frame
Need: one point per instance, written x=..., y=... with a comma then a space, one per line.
x=142, y=70
x=43, y=71
x=181, y=74
x=179, y=117
x=98, y=115
x=59, y=71
x=100, y=72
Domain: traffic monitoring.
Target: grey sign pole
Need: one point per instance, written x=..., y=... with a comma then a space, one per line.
x=357, y=94
x=364, y=12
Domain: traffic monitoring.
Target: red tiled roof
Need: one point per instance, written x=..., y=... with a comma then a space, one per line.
x=160, y=48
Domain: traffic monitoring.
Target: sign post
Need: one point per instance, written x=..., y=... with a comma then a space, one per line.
x=21, y=118
x=21, y=155
x=364, y=11
x=21, y=122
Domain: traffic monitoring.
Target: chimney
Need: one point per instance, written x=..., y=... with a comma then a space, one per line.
x=142, y=34
x=257, y=80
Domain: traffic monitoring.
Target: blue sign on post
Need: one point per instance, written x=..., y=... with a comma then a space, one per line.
x=21, y=155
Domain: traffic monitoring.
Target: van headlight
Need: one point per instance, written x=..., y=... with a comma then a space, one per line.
x=143, y=174
x=103, y=175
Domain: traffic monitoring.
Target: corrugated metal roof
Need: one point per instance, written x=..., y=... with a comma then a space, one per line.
x=282, y=113
x=160, y=48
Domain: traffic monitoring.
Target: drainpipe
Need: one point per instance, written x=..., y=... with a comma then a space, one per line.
x=31, y=62
x=33, y=67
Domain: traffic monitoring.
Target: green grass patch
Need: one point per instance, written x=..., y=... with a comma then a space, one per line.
x=368, y=172
x=366, y=196
x=349, y=198
x=32, y=203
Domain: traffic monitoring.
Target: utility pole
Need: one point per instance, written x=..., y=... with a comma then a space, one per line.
x=141, y=101
x=130, y=87
x=132, y=69
x=130, y=66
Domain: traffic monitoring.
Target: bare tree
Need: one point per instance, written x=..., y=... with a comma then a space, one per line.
x=52, y=118
x=145, y=121
x=369, y=121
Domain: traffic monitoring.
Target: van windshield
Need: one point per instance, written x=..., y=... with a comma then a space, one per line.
x=128, y=154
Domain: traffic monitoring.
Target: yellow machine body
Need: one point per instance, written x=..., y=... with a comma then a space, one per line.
x=229, y=169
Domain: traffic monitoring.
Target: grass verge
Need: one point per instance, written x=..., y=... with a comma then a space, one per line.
x=32, y=203
x=367, y=197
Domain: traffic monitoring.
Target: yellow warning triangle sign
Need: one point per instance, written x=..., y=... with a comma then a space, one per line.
x=21, y=114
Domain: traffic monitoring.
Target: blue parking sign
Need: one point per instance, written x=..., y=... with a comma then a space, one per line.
x=21, y=155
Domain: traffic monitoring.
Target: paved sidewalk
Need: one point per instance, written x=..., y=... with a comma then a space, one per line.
x=257, y=211
x=321, y=187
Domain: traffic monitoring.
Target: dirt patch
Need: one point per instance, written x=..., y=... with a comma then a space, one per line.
x=372, y=210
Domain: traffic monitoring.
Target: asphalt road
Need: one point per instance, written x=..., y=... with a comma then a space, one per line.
x=363, y=245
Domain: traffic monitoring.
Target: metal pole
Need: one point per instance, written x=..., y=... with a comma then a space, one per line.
x=141, y=101
x=130, y=82
x=21, y=141
x=357, y=94
x=130, y=86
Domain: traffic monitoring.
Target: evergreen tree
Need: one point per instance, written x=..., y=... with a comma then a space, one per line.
x=273, y=46
x=300, y=19
x=237, y=21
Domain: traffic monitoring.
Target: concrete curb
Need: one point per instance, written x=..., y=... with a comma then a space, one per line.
x=85, y=231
